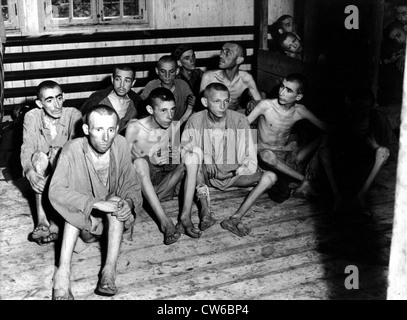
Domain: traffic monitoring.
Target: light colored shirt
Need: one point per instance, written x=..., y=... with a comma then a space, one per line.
x=37, y=135
x=231, y=149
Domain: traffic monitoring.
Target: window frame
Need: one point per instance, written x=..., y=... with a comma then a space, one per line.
x=94, y=22
x=12, y=23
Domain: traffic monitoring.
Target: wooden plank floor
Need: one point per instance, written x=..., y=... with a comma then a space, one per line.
x=293, y=252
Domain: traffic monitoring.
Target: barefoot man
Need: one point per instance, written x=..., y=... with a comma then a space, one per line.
x=46, y=129
x=94, y=185
x=157, y=165
x=229, y=156
x=277, y=148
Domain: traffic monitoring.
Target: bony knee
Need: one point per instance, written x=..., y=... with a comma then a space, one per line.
x=383, y=153
x=269, y=157
x=140, y=165
x=269, y=177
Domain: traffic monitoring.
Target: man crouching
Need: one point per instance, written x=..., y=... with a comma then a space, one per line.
x=94, y=180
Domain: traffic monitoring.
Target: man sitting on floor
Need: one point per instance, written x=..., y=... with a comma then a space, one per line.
x=237, y=81
x=94, y=183
x=46, y=129
x=278, y=150
x=119, y=96
x=156, y=159
x=167, y=70
x=228, y=156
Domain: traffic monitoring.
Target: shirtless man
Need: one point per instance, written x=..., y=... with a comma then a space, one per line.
x=46, y=129
x=237, y=81
x=119, y=96
x=219, y=131
x=277, y=148
x=157, y=162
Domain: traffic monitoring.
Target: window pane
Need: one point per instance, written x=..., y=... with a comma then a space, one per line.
x=60, y=9
x=130, y=7
x=4, y=9
x=111, y=8
x=81, y=9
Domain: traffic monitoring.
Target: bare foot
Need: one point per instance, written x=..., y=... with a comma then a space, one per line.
x=171, y=233
x=40, y=231
x=53, y=234
x=106, y=285
x=187, y=227
x=235, y=226
x=61, y=289
x=206, y=222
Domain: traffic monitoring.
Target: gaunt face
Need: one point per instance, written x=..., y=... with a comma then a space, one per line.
x=188, y=60
x=288, y=93
x=217, y=103
x=167, y=71
x=401, y=14
x=52, y=101
x=228, y=56
x=398, y=35
x=163, y=113
x=101, y=131
x=292, y=44
x=123, y=81
x=288, y=25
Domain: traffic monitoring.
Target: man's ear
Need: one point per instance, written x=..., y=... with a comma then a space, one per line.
x=179, y=63
x=149, y=109
x=133, y=83
x=177, y=71
x=280, y=31
x=156, y=71
x=299, y=97
x=204, y=102
x=85, y=129
x=239, y=60
x=39, y=104
x=112, y=78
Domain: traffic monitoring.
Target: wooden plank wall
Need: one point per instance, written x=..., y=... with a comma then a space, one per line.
x=31, y=57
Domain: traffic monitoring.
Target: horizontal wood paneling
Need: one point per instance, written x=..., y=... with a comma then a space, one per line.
x=83, y=64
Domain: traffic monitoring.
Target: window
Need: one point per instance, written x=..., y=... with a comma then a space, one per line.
x=65, y=13
x=9, y=11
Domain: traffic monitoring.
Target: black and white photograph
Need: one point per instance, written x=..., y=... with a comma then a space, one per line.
x=203, y=155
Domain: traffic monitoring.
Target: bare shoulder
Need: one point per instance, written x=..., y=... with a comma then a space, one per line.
x=246, y=76
x=302, y=109
x=265, y=104
x=133, y=123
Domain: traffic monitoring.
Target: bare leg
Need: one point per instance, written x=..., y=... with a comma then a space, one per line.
x=271, y=159
x=234, y=224
x=202, y=193
x=171, y=234
x=170, y=183
x=61, y=286
x=325, y=156
x=305, y=152
x=185, y=224
x=108, y=275
x=382, y=154
x=40, y=163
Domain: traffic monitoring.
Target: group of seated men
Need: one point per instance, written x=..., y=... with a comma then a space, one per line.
x=93, y=166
